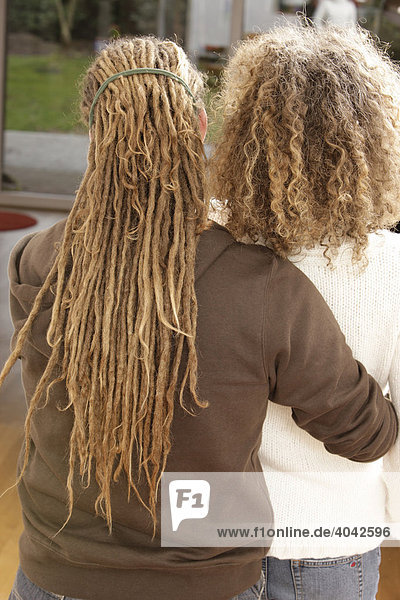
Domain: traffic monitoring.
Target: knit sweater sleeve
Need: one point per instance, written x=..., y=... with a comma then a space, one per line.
x=311, y=369
x=391, y=462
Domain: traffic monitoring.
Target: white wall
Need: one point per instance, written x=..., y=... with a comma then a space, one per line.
x=259, y=15
x=209, y=22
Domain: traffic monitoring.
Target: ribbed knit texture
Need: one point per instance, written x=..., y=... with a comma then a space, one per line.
x=309, y=485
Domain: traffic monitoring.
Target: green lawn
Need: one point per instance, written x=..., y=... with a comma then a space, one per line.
x=42, y=92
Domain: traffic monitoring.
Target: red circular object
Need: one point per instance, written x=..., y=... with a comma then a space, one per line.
x=9, y=220
x=353, y=564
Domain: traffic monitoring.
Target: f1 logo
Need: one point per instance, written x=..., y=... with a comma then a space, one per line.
x=189, y=499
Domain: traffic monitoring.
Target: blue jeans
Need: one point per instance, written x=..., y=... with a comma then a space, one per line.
x=25, y=589
x=344, y=578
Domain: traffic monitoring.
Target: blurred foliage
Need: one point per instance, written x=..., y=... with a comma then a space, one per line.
x=40, y=17
x=34, y=16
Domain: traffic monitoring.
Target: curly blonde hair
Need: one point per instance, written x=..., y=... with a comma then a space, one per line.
x=309, y=151
x=123, y=326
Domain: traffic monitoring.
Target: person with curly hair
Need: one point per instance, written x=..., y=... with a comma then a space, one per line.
x=308, y=164
x=131, y=370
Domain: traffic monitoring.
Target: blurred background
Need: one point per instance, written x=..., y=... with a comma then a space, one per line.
x=45, y=46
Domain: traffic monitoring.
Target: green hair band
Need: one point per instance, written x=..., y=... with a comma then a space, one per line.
x=135, y=72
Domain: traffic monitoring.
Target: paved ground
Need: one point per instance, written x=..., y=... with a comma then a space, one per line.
x=46, y=162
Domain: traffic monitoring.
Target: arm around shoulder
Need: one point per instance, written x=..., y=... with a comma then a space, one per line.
x=311, y=368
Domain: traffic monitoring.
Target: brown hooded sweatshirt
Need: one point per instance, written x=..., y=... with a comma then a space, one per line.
x=264, y=332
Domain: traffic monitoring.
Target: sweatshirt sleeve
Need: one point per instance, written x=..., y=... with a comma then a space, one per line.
x=21, y=294
x=29, y=264
x=311, y=369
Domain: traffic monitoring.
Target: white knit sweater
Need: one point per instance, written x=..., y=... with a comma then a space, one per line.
x=308, y=485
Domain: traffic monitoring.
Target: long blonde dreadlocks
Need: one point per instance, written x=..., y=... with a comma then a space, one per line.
x=124, y=312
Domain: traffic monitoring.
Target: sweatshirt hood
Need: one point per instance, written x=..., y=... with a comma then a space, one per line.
x=211, y=247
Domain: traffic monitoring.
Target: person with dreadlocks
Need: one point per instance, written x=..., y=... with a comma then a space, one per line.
x=151, y=342
x=309, y=162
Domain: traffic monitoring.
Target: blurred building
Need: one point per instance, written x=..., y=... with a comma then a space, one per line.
x=209, y=22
